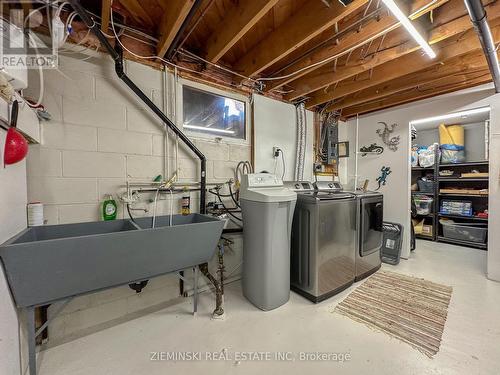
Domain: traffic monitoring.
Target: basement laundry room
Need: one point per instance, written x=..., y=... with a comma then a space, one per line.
x=249, y=186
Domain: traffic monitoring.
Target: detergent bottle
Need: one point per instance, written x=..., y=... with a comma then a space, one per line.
x=109, y=208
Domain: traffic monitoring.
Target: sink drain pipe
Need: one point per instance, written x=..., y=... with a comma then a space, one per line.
x=117, y=55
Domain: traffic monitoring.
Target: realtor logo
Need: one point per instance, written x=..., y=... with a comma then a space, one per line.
x=20, y=47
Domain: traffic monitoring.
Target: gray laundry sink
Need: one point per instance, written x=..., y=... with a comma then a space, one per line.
x=49, y=263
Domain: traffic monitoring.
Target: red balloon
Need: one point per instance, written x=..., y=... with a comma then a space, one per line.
x=16, y=147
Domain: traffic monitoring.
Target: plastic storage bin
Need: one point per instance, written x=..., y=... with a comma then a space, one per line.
x=460, y=208
x=424, y=205
x=472, y=232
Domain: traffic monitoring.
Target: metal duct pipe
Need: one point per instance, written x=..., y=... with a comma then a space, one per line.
x=478, y=17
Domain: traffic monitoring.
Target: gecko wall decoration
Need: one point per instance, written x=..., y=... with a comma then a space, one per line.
x=382, y=179
x=385, y=133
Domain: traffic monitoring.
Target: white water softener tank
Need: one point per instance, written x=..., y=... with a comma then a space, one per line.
x=267, y=208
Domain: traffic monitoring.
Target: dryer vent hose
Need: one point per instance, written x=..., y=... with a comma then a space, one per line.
x=300, y=112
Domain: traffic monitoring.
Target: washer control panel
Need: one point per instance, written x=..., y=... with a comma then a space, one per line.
x=300, y=186
x=330, y=186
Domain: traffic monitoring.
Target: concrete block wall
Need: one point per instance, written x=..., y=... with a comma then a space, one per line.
x=99, y=137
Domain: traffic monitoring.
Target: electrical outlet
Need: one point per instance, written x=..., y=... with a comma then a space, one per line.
x=276, y=151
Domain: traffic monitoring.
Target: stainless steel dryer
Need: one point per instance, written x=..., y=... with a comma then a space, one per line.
x=370, y=217
x=323, y=240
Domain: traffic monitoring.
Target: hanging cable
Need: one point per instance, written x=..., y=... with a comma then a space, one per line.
x=130, y=213
x=154, y=207
x=227, y=210
x=171, y=206
x=232, y=195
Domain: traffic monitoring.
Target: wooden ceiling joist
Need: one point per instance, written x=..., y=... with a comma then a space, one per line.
x=324, y=78
x=453, y=84
x=171, y=22
x=237, y=22
x=105, y=14
x=459, y=65
x=137, y=11
x=369, y=31
x=406, y=65
x=308, y=22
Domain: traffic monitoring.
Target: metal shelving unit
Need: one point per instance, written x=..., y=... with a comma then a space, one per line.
x=462, y=179
x=480, y=200
x=451, y=195
x=422, y=168
x=475, y=218
x=457, y=181
x=425, y=237
x=466, y=164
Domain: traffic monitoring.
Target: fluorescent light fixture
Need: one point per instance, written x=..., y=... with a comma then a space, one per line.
x=449, y=116
x=409, y=27
x=194, y=127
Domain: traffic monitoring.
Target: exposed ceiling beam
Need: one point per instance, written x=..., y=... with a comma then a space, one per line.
x=171, y=22
x=240, y=18
x=404, y=65
x=325, y=77
x=105, y=14
x=369, y=31
x=26, y=9
x=309, y=21
x=137, y=11
x=453, y=84
x=456, y=66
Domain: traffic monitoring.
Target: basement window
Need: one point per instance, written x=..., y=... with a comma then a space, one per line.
x=213, y=115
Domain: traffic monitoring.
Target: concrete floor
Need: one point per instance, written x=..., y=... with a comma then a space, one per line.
x=470, y=345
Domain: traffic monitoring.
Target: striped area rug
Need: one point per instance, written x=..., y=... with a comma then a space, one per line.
x=412, y=310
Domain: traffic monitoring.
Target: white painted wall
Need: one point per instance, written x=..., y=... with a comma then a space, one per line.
x=12, y=220
x=397, y=193
x=275, y=125
x=369, y=166
x=347, y=132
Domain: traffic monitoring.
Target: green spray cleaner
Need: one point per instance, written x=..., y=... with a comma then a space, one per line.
x=109, y=209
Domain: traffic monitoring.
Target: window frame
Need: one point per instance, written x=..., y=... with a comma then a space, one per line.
x=212, y=90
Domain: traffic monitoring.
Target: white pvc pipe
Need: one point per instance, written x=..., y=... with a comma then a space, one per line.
x=356, y=155
x=166, y=108
x=176, y=81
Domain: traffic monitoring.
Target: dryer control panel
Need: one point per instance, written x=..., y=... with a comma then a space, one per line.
x=300, y=186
